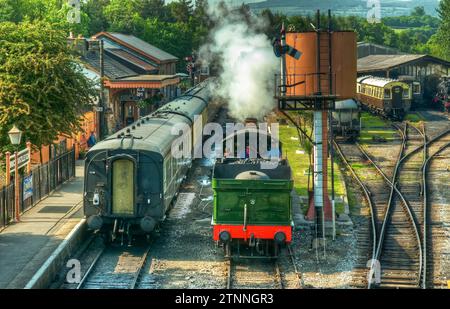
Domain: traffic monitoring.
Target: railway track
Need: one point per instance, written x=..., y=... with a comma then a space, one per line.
x=434, y=232
x=399, y=248
x=402, y=238
x=413, y=178
x=281, y=273
x=366, y=231
x=116, y=268
x=389, y=234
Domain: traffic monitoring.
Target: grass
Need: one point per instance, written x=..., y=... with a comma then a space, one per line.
x=399, y=30
x=299, y=164
x=373, y=126
x=413, y=117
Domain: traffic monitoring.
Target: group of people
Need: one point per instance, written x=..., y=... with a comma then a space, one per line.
x=445, y=102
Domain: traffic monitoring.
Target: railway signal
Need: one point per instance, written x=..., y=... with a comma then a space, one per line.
x=190, y=66
x=279, y=49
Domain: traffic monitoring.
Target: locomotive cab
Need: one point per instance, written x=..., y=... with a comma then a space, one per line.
x=252, y=213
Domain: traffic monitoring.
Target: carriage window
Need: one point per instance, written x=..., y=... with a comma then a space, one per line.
x=174, y=166
x=406, y=93
x=359, y=88
x=416, y=88
x=387, y=93
x=167, y=171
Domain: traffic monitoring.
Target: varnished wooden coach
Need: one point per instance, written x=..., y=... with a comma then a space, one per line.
x=388, y=97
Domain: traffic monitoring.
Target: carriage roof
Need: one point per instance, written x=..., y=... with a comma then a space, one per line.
x=380, y=81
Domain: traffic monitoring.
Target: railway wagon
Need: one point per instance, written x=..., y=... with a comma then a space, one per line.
x=388, y=97
x=131, y=177
x=252, y=207
x=346, y=119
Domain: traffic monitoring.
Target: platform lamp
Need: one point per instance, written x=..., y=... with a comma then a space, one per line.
x=15, y=135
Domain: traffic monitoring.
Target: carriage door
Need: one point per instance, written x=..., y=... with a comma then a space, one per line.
x=122, y=187
x=397, y=97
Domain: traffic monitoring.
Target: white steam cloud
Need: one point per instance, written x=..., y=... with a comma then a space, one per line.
x=247, y=63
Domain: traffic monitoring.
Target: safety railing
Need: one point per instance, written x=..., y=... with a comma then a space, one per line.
x=42, y=180
x=304, y=85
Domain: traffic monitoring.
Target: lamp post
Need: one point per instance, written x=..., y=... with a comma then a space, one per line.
x=15, y=136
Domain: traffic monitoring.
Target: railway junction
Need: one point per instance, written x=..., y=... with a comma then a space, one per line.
x=358, y=198
x=191, y=260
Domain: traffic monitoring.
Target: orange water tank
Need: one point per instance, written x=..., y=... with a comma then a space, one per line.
x=304, y=71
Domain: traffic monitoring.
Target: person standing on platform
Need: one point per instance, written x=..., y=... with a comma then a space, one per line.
x=91, y=140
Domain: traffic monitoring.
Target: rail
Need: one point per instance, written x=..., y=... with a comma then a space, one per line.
x=89, y=279
x=406, y=207
x=367, y=195
x=425, y=210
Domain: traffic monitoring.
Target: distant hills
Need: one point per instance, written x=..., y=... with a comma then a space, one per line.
x=342, y=7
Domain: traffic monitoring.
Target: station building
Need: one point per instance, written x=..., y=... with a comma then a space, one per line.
x=365, y=49
x=422, y=72
x=138, y=77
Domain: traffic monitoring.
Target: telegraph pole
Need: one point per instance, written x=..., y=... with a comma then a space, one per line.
x=102, y=115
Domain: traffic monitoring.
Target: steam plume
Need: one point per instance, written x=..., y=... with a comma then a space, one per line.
x=246, y=60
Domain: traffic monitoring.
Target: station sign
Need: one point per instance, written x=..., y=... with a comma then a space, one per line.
x=23, y=158
x=98, y=108
x=140, y=92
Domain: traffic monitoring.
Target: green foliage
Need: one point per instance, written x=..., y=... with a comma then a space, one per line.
x=441, y=43
x=42, y=88
x=95, y=10
x=417, y=19
x=181, y=10
x=412, y=34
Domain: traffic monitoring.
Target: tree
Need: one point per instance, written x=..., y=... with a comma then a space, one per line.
x=418, y=11
x=42, y=87
x=443, y=33
x=121, y=14
x=153, y=8
x=181, y=10
x=175, y=38
x=95, y=9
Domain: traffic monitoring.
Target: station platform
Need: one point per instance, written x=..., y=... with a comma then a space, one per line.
x=25, y=246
